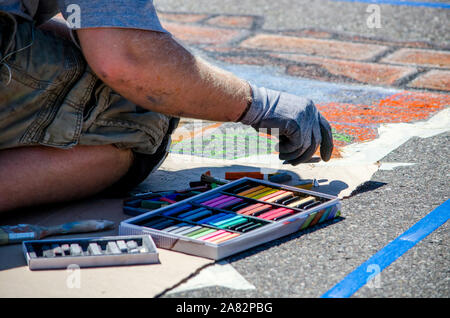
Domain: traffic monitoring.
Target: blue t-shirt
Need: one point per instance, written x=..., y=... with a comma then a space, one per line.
x=136, y=14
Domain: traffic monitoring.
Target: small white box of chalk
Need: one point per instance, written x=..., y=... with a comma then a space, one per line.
x=90, y=252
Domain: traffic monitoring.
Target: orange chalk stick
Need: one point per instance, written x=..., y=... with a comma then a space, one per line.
x=212, y=239
x=225, y=238
x=257, y=209
x=244, y=193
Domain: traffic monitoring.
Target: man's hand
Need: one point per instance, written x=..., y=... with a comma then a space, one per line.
x=301, y=127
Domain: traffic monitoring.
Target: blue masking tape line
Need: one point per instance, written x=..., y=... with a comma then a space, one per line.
x=436, y=5
x=387, y=255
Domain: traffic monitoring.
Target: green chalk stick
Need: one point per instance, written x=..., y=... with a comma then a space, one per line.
x=232, y=223
x=196, y=232
x=205, y=232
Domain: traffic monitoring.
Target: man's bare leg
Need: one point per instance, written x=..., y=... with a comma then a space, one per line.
x=39, y=175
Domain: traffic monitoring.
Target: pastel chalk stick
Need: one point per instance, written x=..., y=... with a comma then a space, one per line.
x=280, y=197
x=208, y=236
x=226, y=238
x=252, y=190
x=190, y=230
x=228, y=203
x=203, y=233
x=212, y=218
x=181, y=229
x=226, y=220
x=218, y=236
x=271, y=195
x=261, y=195
x=219, y=202
x=253, y=194
x=191, y=212
x=222, y=218
x=232, y=223
x=177, y=209
x=279, y=215
x=218, y=198
x=250, y=228
x=249, y=207
x=258, y=210
x=275, y=211
x=198, y=215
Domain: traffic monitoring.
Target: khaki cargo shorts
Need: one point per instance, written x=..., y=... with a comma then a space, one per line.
x=49, y=96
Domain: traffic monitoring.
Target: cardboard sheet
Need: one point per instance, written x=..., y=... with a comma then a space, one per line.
x=334, y=177
x=16, y=280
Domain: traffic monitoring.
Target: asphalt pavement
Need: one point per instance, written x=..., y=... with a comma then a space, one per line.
x=309, y=263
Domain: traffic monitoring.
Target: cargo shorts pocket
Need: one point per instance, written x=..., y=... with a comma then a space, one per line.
x=54, y=99
x=116, y=120
x=39, y=76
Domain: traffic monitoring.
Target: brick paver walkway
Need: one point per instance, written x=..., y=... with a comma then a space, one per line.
x=419, y=71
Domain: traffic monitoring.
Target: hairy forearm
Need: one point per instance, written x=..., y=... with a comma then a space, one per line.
x=157, y=73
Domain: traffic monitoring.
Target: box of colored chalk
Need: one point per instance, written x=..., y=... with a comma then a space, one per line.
x=233, y=217
x=90, y=252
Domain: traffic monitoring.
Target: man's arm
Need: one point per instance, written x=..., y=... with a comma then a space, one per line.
x=154, y=71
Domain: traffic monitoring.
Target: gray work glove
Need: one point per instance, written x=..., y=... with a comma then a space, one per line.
x=301, y=127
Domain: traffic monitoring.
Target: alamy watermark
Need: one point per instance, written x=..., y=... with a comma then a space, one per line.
x=73, y=280
x=374, y=279
x=74, y=16
x=373, y=21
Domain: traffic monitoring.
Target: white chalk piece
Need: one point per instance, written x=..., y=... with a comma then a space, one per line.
x=75, y=250
x=112, y=248
x=122, y=246
x=94, y=249
x=47, y=251
x=57, y=250
x=132, y=245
